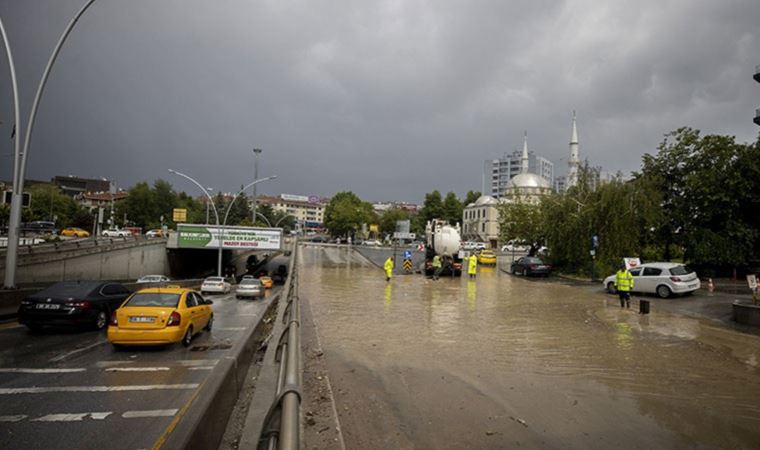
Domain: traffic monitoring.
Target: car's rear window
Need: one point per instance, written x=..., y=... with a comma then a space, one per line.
x=70, y=289
x=159, y=299
x=531, y=260
x=681, y=270
x=214, y=279
x=253, y=282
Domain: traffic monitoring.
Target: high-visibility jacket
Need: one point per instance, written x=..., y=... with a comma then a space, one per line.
x=623, y=280
x=436, y=262
x=472, y=265
x=388, y=266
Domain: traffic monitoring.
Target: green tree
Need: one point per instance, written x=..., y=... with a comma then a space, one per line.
x=140, y=206
x=471, y=197
x=452, y=209
x=389, y=218
x=520, y=220
x=49, y=203
x=345, y=214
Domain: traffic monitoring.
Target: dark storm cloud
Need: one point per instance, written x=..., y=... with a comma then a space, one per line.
x=388, y=99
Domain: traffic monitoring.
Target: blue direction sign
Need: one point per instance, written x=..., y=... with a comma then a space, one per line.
x=407, y=254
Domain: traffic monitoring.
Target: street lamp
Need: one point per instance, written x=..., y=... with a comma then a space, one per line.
x=256, y=152
x=207, y=205
x=216, y=214
x=20, y=156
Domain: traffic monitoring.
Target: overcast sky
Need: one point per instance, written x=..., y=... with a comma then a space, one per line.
x=389, y=99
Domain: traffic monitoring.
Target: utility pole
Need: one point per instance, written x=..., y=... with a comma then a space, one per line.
x=256, y=152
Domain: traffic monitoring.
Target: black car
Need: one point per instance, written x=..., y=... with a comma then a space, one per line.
x=531, y=265
x=72, y=303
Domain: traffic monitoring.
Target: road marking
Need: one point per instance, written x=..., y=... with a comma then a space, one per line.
x=144, y=387
x=197, y=362
x=102, y=364
x=137, y=369
x=75, y=417
x=27, y=370
x=231, y=329
x=150, y=413
x=74, y=352
x=201, y=368
x=173, y=424
x=12, y=418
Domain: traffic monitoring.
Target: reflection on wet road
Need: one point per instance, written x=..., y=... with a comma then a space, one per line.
x=502, y=361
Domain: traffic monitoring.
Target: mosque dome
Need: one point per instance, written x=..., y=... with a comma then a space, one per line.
x=485, y=200
x=528, y=180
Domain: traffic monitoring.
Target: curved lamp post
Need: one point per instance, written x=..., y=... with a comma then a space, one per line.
x=276, y=223
x=20, y=156
x=216, y=214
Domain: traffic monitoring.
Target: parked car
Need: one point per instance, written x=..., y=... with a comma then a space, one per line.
x=154, y=233
x=487, y=258
x=72, y=303
x=116, y=233
x=266, y=281
x=160, y=316
x=153, y=279
x=75, y=232
x=248, y=277
x=661, y=278
x=515, y=246
x=218, y=285
x=249, y=288
x=372, y=243
x=531, y=265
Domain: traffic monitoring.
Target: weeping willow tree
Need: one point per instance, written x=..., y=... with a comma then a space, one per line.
x=623, y=215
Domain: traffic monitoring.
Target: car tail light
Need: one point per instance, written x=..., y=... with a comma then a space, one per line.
x=532, y=266
x=675, y=279
x=114, y=322
x=84, y=304
x=174, y=319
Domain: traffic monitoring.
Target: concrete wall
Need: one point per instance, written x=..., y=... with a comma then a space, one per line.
x=118, y=262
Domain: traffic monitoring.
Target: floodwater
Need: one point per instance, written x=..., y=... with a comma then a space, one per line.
x=507, y=362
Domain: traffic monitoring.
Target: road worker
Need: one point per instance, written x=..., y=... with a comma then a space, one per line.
x=624, y=285
x=388, y=266
x=437, y=267
x=472, y=265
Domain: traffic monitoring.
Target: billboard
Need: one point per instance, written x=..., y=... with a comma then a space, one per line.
x=207, y=236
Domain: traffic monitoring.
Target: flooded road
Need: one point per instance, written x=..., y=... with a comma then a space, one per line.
x=506, y=362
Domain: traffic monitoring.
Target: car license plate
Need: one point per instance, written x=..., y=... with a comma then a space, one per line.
x=141, y=319
x=48, y=306
x=693, y=285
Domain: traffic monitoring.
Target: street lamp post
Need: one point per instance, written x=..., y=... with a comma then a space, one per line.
x=20, y=156
x=207, y=205
x=256, y=152
x=216, y=214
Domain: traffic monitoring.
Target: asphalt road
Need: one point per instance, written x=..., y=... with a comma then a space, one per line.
x=68, y=389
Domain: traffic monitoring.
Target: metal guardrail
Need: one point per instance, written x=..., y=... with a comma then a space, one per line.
x=76, y=244
x=282, y=426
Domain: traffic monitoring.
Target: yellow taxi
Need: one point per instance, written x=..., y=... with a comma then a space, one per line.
x=160, y=316
x=487, y=258
x=266, y=281
x=75, y=232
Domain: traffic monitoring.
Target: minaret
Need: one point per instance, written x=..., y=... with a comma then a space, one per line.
x=524, y=167
x=572, y=172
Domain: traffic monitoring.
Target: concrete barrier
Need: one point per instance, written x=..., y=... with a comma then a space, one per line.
x=746, y=313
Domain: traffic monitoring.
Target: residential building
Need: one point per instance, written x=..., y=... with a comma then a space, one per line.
x=72, y=185
x=309, y=212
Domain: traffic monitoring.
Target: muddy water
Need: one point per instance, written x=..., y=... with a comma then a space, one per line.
x=505, y=362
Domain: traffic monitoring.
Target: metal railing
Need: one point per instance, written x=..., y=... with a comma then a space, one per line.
x=75, y=244
x=282, y=426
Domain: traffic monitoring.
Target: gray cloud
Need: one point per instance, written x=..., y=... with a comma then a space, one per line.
x=388, y=99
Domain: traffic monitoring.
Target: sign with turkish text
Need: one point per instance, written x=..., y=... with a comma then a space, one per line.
x=209, y=236
x=631, y=263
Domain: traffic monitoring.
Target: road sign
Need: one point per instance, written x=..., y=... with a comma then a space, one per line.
x=179, y=215
x=402, y=235
x=407, y=254
x=26, y=198
x=207, y=236
x=407, y=265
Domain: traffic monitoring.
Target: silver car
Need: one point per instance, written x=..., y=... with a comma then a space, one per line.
x=661, y=278
x=249, y=288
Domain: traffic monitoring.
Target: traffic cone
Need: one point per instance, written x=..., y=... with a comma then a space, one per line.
x=710, y=285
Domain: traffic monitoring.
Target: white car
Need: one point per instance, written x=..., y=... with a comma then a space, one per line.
x=372, y=243
x=661, y=278
x=515, y=246
x=249, y=287
x=218, y=285
x=153, y=279
x=116, y=233
x=154, y=233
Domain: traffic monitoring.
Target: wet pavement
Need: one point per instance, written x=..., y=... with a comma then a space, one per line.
x=505, y=362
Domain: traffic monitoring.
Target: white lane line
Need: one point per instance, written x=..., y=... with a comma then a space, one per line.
x=231, y=329
x=145, y=387
x=18, y=418
x=29, y=370
x=74, y=352
x=150, y=413
x=102, y=364
x=72, y=417
x=201, y=368
x=197, y=362
x=246, y=315
x=137, y=369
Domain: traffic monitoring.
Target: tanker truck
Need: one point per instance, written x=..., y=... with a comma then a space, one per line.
x=443, y=240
